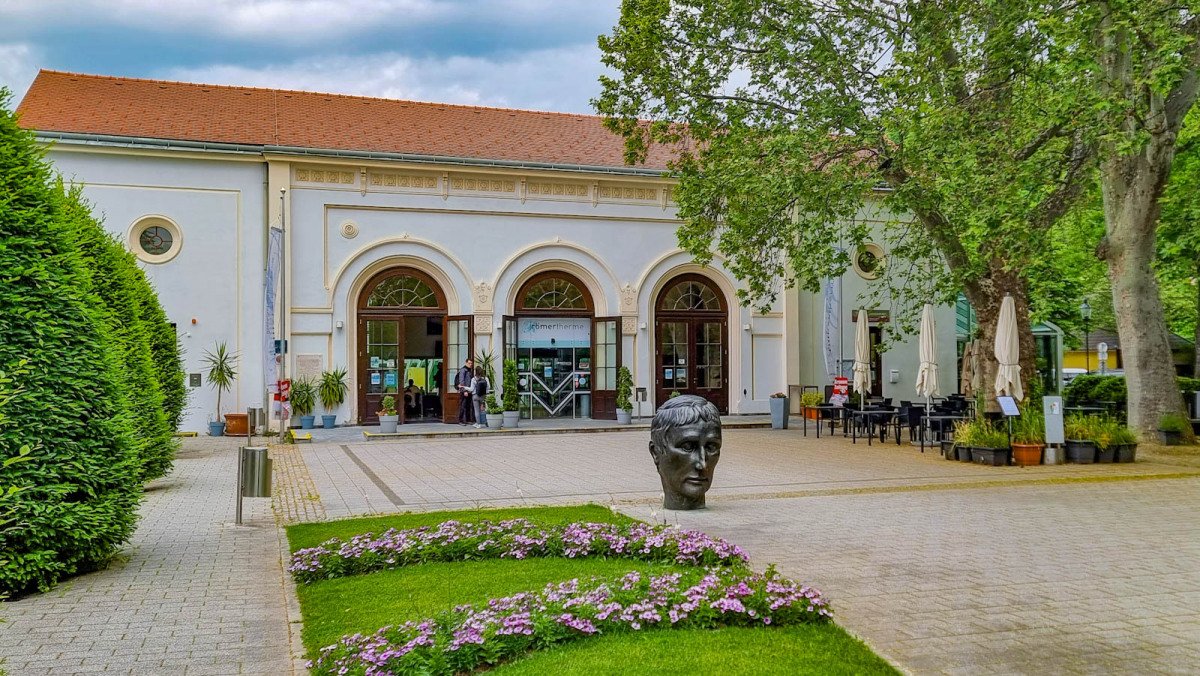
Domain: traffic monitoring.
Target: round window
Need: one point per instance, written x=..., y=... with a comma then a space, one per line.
x=155, y=239
x=869, y=261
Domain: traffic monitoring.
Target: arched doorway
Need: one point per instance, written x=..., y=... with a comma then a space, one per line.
x=566, y=357
x=404, y=336
x=691, y=328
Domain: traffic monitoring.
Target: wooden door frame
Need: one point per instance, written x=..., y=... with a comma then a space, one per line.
x=596, y=397
x=364, y=360
x=447, y=416
x=692, y=319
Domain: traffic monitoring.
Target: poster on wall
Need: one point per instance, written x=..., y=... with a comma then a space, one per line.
x=669, y=374
x=389, y=379
x=375, y=378
x=374, y=362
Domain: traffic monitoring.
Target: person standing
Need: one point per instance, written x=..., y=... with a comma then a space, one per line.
x=479, y=390
x=462, y=383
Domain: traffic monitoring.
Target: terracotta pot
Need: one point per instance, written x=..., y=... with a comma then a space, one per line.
x=812, y=414
x=1027, y=454
x=236, y=424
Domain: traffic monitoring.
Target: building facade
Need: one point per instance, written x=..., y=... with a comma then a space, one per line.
x=415, y=235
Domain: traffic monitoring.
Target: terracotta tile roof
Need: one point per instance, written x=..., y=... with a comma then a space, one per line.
x=94, y=104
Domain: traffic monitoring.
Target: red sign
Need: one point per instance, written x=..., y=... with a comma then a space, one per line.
x=841, y=386
x=283, y=390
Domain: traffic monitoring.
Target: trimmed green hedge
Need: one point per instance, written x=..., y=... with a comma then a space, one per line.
x=81, y=487
x=115, y=274
x=1091, y=388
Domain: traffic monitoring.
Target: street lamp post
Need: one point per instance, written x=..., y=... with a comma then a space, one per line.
x=1085, y=311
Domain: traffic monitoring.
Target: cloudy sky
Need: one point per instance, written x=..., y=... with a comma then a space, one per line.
x=538, y=54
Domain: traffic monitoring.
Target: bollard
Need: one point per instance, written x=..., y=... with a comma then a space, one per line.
x=253, y=476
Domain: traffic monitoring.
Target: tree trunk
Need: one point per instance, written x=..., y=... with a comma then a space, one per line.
x=1196, y=331
x=1132, y=185
x=986, y=297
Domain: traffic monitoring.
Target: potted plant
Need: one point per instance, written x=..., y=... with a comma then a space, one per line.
x=624, y=392
x=989, y=445
x=674, y=393
x=1171, y=428
x=812, y=399
x=332, y=392
x=1081, y=447
x=1028, y=437
x=779, y=411
x=1124, y=443
x=222, y=371
x=509, y=397
x=964, y=438
x=495, y=411
x=388, y=417
x=304, y=400
x=1102, y=432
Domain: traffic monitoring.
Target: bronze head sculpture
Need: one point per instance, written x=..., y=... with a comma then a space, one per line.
x=685, y=442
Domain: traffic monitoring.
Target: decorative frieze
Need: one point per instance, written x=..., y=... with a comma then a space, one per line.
x=388, y=179
x=536, y=190
x=623, y=192
x=482, y=184
x=629, y=325
x=330, y=176
x=483, y=324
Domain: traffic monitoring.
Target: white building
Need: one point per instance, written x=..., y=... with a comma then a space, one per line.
x=417, y=234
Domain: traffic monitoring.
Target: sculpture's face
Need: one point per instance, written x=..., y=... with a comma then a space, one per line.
x=686, y=457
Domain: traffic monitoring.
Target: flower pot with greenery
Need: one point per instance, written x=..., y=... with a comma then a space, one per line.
x=1124, y=443
x=304, y=400
x=812, y=399
x=1171, y=428
x=509, y=397
x=1103, y=430
x=964, y=436
x=1028, y=437
x=495, y=412
x=779, y=411
x=989, y=445
x=1081, y=444
x=388, y=417
x=222, y=371
x=332, y=392
x=624, y=393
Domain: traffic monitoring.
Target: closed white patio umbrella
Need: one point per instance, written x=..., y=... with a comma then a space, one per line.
x=927, y=372
x=862, y=357
x=1008, y=352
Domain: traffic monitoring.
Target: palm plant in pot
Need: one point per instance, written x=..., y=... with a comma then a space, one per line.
x=624, y=392
x=509, y=397
x=222, y=371
x=1081, y=444
x=332, y=392
x=1028, y=437
x=388, y=417
x=304, y=400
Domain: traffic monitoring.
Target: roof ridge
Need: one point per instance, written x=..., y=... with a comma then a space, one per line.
x=277, y=90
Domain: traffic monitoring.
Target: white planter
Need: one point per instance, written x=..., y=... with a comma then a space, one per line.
x=495, y=421
x=387, y=424
x=511, y=418
x=624, y=416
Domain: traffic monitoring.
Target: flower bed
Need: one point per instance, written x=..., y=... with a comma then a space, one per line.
x=515, y=538
x=471, y=637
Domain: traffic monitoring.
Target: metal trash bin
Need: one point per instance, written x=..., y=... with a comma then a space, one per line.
x=256, y=472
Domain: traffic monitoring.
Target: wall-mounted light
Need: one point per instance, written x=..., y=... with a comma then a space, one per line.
x=338, y=324
x=746, y=327
x=642, y=326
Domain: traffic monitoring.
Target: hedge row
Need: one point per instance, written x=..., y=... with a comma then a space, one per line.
x=1092, y=388
x=89, y=400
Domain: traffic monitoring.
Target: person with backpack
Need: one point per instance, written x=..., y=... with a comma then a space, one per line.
x=479, y=390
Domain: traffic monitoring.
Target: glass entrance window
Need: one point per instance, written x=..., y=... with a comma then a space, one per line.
x=383, y=355
x=709, y=349
x=673, y=354
x=554, y=382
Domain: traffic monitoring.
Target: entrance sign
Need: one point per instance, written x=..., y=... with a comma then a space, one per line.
x=557, y=332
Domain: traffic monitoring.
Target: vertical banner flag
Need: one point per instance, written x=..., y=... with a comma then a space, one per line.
x=831, y=328
x=274, y=257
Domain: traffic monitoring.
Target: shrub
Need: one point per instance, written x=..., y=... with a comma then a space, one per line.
x=469, y=638
x=387, y=406
x=812, y=398
x=1030, y=427
x=1078, y=427
x=82, y=485
x=1173, y=422
x=113, y=274
x=166, y=352
x=980, y=433
x=509, y=396
x=624, y=389
x=493, y=406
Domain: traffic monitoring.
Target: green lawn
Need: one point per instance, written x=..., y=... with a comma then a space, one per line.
x=364, y=603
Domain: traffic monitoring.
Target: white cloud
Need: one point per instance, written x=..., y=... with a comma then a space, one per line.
x=18, y=67
x=561, y=79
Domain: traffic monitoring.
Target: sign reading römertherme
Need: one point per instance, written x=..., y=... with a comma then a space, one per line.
x=564, y=331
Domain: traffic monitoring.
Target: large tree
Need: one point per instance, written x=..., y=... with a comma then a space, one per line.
x=1146, y=57
x=801, y=127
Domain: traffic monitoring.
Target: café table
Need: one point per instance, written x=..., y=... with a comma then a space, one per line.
x=831, y=412
x=869, y=416
x=943, y=419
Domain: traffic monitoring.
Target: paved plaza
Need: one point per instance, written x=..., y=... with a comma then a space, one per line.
x=942, y=567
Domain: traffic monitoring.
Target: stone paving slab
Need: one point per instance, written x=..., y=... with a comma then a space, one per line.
x=1075, y=579
x=190, y=594
x=424, y=474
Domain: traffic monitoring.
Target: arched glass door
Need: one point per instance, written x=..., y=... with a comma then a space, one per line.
x=401, y=338
x=692, y=341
